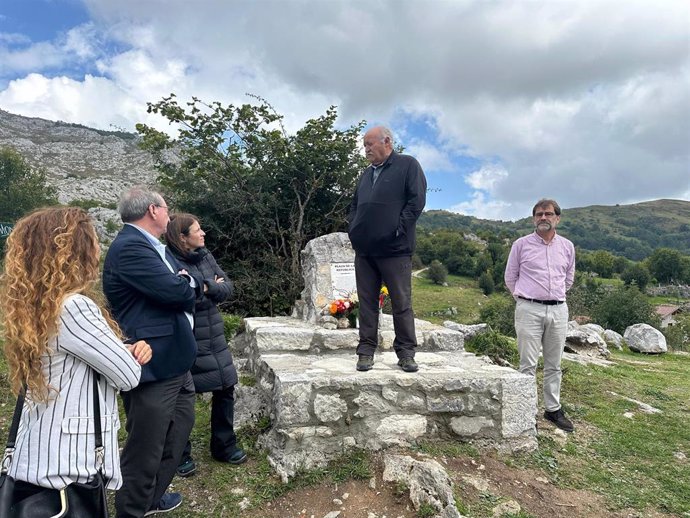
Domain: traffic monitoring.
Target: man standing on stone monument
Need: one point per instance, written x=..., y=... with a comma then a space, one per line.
x=390, y=196
x=540, y=270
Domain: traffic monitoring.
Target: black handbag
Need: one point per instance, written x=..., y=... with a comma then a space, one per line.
x=78, y=500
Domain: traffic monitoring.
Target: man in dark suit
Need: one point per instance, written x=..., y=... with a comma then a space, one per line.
x=390, y=196
x=152, y=299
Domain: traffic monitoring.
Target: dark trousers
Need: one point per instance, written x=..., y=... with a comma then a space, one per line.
x=223, y=438
x=396, y=273
x=160, y=416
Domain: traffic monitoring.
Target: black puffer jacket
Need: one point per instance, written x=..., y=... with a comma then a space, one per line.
x=213, y=368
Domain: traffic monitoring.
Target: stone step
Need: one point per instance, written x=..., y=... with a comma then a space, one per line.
x=290, y=335
x=322, y=406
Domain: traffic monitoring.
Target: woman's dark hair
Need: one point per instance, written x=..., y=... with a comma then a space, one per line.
x=179, y=225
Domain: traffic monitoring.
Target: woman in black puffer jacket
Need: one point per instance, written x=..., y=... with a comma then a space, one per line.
x=213, y=370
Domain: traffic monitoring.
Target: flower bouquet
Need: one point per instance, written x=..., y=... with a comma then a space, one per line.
x=383, y=295
x=345, y=308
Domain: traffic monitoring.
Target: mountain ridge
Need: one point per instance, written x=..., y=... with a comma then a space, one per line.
x=97, y=165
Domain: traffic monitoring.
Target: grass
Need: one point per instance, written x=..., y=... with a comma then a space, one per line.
x=629, y=461
x=431, y=301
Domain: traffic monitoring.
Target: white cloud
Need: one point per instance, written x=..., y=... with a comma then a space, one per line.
x=431, y=156
x=486, y=178
x=584, y=101
x=482, y=207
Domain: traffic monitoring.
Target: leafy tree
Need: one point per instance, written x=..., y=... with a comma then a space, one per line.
x=666, y=265
x=637, y=273
x=603, y=263
x=261, y=193
x=24, y=188
x=624, y=307
x=486, y=283
x=437, y=273
x=584, y=295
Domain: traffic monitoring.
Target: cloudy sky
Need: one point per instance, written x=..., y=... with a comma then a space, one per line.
x=502, y=102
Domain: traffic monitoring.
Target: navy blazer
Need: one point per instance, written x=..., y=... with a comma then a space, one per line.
x=149, y=303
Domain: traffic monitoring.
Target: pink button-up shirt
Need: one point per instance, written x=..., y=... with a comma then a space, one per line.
x=539, y=270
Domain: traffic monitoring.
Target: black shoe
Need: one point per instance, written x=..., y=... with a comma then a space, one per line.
x=365, y=362
x=408, y=364
x=168, y=502
x=558, y=418
x=186, y=468
x=238, y=456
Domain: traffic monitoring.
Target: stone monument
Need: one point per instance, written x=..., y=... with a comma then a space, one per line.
x=321, y=406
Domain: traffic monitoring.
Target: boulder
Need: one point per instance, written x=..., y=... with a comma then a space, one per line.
x=585, y=339
x=468, y=331
x=428, y=481
x=643, y=338
x=614, y=339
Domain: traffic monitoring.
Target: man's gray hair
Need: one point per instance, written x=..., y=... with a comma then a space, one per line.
x=136, y=201
x=385, y=132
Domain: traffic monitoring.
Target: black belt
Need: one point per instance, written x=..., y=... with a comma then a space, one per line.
x=545, y=302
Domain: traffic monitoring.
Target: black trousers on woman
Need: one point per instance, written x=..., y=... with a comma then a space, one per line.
x=223, y=438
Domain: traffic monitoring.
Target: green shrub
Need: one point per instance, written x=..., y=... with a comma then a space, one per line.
x=486, y=283
x=499, y=313
x=111, y=226
x=86, y=204
x=437, y=273
x=231, y=324
x=636, y=273
x=678, y=335
x=496, y=346
x=624, y=307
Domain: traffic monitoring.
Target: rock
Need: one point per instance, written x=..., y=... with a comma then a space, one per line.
x=679, y=455
x=614, y=339
x=585, y=339
x=509, y=507
x=251, y=404
x=328, y=267
x=595, y=328
x=329, y=408
x=643, y=338
x=643, y=407
x=480, y=484
x=332, y=514
x=468, y=331
x=327, y=322
x=428, y=482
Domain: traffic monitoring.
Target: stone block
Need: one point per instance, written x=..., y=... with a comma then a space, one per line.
x=271, y=339
x=329, y=408
x=336, y=339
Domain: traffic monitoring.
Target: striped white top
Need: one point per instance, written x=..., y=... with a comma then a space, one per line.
x=55, y=441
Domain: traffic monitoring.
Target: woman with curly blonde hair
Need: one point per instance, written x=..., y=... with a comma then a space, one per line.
x=57, y=337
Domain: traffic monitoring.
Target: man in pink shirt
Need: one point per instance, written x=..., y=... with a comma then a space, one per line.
x=540, y=269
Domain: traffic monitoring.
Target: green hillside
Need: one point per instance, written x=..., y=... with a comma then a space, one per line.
x=633, y=231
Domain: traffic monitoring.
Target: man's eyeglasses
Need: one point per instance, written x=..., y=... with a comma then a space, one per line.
x=547, y=214
x=161, y=206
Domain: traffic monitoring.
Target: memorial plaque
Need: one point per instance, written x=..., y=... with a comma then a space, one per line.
x=343, y=280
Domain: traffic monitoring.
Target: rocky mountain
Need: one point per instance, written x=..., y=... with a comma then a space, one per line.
x=82, y=163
